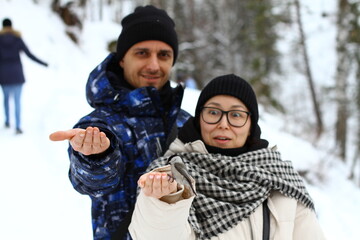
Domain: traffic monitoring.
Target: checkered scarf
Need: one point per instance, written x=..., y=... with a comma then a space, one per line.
x=231, y=188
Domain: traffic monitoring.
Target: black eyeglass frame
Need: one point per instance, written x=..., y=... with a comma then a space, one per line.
x=227, y=116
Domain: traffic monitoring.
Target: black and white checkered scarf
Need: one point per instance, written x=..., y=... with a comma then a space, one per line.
x=231, y=188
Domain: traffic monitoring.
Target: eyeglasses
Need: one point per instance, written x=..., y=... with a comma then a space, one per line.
x=236, y=118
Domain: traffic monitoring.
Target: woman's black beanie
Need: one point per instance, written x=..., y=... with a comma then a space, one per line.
x=235, y=86
x=146, y=23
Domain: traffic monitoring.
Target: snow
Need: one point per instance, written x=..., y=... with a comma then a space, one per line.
x=38, y=201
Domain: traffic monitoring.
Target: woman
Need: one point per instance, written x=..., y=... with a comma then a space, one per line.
x=11, y=71
x=243, y=188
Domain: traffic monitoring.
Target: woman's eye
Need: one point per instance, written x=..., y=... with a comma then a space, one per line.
x=213, y=112
x=237, y=114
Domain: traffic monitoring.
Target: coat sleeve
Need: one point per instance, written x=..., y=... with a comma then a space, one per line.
x=307, y=225
x=95, y=177
x=155, y=219
x=293, y=219
x=30, y=55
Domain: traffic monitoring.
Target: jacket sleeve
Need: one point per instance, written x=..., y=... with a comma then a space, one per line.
x=293, y=219
x=96, y=175
x=307, y=225
x=30, y=55
x=155, y=219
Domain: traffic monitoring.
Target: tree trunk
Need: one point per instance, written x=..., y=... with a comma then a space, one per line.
x=101, y=10
x=356, y=159
x=318, y=115
x=342, y=73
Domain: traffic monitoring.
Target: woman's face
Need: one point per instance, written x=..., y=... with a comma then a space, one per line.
x=222, y=134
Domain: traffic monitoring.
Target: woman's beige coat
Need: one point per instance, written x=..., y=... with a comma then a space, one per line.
x=167, y=219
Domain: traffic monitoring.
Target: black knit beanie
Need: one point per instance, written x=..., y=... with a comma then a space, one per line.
x=146, y=23
x=6, y=22
x=235, y=86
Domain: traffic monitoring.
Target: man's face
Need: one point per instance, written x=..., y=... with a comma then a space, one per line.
x=148, y=63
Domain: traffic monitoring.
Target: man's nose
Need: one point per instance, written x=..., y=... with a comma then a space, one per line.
x=153, y=63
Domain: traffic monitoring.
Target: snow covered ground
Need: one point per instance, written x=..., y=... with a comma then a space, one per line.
x=37, y=199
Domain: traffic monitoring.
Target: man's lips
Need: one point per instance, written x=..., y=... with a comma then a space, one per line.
x=150, y=77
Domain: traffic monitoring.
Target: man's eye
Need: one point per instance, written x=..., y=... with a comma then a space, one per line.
x=165, y=54
x=140, y=53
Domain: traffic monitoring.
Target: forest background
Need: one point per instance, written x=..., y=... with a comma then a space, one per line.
x=272, y=44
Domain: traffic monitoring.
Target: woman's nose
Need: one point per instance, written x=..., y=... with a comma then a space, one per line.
x=224, y=123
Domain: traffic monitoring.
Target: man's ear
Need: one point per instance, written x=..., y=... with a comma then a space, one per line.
x=121, y=63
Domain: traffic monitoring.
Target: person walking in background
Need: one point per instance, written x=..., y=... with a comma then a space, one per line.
x=243, y=188
x=136, y=117
x=187, y=80
x=190, y=83
x=11, y=71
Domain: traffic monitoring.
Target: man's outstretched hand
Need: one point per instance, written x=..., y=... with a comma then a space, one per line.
x=89, y=141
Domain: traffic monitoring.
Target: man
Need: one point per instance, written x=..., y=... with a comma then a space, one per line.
x=136, y=117
x=12, y=76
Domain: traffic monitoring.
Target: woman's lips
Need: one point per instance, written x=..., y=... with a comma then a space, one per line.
x=222, y=139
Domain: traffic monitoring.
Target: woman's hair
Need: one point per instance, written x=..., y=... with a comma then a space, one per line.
x=6, y=22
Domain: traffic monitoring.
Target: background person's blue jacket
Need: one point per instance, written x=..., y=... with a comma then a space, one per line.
x=138, y=128
x=11, y=45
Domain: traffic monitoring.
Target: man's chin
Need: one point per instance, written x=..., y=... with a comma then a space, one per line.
x=152, y=85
